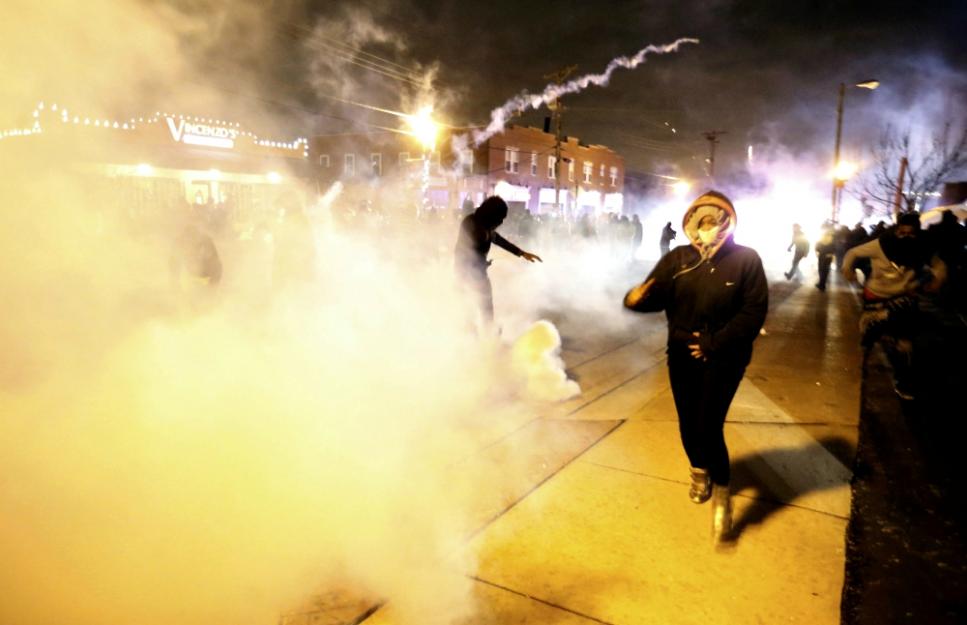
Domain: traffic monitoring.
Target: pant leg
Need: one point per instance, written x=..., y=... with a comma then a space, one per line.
x=703, y=392
x=685, y=374
x=476, y=285
x=721, y=382
x=824, y=263
x=795, y=263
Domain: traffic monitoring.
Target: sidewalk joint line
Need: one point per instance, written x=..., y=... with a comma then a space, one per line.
x=743, y=496
x=539, y=600
x=533, y=488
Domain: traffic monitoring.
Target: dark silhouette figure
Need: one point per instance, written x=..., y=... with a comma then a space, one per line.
x=668, y=235
x=637, y=235
x=801, y=243
x=477, y=232
x=825, y=252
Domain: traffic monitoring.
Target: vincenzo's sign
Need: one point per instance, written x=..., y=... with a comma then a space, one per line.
x=201, y=134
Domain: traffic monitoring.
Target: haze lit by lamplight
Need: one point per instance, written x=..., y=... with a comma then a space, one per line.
x=273, y=177
x=143, y=169
x=214, y=174
x=681, y=187
x=423, y=127
x=844, y=170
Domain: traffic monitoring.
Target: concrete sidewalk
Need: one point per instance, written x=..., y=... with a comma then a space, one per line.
x=599, y=528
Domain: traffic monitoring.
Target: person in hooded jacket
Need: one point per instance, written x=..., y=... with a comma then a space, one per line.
x=715, y=296
x=477, y=232
x=898, y=261
x=668, y=235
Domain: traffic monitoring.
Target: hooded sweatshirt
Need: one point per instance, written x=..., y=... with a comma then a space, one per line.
x=718, y=290
x=893, y=267
x=477, y=232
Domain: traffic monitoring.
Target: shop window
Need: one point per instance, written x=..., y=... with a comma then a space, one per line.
x=349, y=165
x=377, y=162
x=324, y=160
x=587, y=170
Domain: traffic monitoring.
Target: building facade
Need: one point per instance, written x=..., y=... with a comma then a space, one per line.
x=158, y=161
x=518, y=164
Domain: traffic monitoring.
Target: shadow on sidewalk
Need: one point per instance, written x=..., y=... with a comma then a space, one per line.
x=780, y=476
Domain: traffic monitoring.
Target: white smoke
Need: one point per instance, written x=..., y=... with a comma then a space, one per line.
x=526, y=101
x=536, y=356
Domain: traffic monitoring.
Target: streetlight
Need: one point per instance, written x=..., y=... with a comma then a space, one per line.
x=843, y=171
x=425, y=129
x=837, y=183
x=681, y=187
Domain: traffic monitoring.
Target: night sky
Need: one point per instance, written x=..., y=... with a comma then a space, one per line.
x=766, y=71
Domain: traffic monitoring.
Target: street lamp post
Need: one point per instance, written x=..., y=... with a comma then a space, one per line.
x=837, y=181
x=425, y=129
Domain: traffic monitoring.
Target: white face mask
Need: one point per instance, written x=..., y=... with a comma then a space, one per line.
x=707, y=236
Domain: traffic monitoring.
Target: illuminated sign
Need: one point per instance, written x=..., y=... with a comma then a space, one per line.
x=201, y=134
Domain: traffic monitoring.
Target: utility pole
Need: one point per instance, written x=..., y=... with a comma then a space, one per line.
x=712, y=136
x=556, y=109
x=837, y=186
x=898, y=197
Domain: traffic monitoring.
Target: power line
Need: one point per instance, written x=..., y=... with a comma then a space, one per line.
x=348, y=47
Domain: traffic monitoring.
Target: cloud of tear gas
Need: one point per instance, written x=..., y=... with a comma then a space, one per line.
x=526, y=101
x=176, y=451
x=353, y=57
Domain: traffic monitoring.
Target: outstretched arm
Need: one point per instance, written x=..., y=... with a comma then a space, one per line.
x=866, y=250
x=500, y=241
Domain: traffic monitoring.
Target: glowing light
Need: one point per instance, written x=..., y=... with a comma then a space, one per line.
x=143, y=169
x=424, y=128
x=273, y=177
x=681, y=187
x=214, y=174
x=844, y=170
x=868, y=84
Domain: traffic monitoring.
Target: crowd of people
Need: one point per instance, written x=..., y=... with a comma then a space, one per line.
x=904, y=270
x=713, y=290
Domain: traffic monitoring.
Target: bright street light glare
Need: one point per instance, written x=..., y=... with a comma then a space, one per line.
x=681, y=187
x=868, y=84
x=423, y=127
x=273, y=177
x=844, y=170
x=143, y=169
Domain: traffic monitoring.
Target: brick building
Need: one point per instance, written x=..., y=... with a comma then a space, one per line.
x=517, y=164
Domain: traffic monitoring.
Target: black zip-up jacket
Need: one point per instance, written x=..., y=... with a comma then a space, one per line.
x=724, y=298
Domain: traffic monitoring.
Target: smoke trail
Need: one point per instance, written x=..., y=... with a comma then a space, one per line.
x=525, y=101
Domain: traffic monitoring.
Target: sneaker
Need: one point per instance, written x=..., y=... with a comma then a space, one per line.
x=701, y=488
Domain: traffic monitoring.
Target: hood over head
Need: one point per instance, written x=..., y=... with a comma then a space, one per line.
x=492, y=212
x=716, y=206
